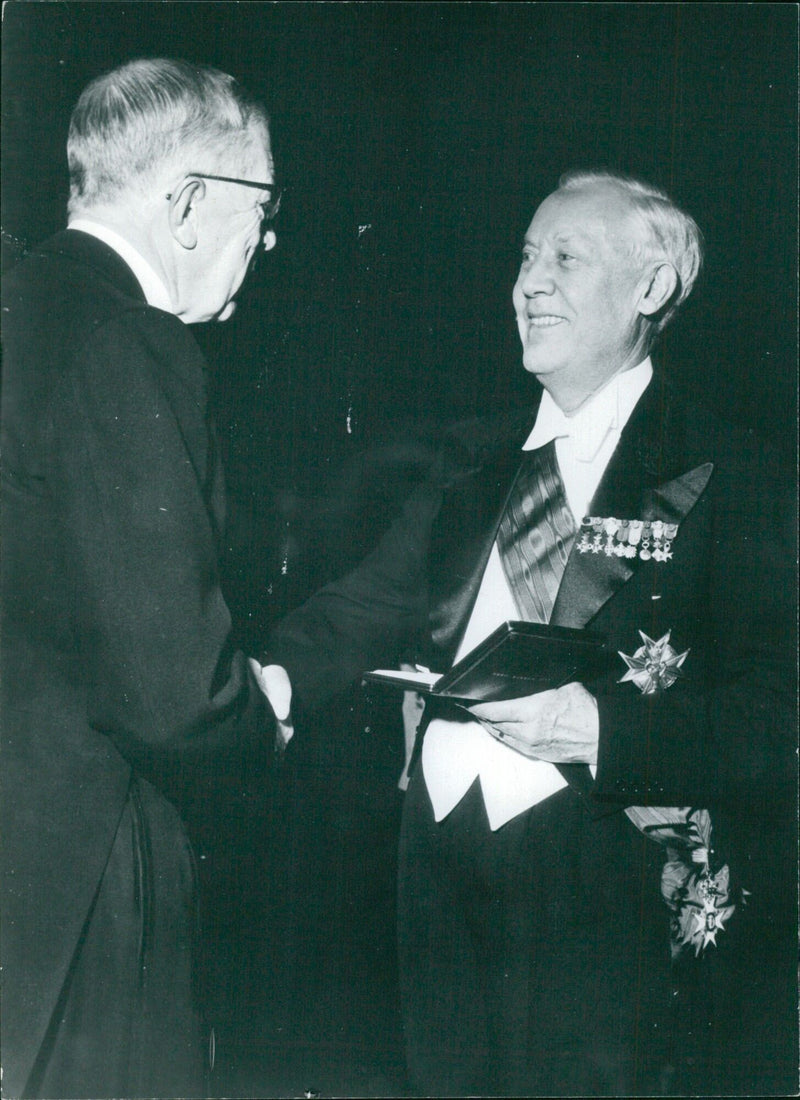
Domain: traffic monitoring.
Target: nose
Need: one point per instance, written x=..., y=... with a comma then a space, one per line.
x=535, y=276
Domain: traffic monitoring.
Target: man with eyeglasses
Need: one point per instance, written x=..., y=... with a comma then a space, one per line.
x=120, y=681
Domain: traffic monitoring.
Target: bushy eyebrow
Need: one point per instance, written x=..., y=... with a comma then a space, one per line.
x=574, y=237
x=563, y=239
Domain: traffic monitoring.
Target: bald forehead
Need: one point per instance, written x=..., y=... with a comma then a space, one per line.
x=596, y=212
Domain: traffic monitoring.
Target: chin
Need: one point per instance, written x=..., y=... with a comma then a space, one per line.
x=537, y=364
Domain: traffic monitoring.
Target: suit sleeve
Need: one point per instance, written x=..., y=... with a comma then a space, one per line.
x=370, y=617
x=725, y=734
x=131, y=469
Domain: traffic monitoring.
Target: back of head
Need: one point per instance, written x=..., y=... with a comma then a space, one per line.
x=136, y=124
x=670, y=234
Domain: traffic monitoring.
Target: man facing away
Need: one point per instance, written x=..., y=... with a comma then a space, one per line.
x=120, y=681
x=537, y=956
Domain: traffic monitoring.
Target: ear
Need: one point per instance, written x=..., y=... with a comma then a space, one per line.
x=183, y=211
x=658, y=287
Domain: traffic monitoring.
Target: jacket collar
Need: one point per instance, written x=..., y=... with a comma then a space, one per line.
x=83, y=248
x=150, y=281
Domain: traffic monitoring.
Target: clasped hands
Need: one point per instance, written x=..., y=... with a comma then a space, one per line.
x=275, y=685
x=561, y=725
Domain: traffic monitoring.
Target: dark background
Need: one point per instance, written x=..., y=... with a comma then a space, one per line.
x=416, y=141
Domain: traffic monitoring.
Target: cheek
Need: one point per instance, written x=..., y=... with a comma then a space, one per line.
x=238, y=253
x=599, y=307
x=249, y=246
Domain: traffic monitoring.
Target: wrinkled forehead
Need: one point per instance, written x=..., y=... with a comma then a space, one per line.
x=597, y=214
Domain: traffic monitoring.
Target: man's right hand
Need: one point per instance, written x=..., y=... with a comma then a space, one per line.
x=276, y=686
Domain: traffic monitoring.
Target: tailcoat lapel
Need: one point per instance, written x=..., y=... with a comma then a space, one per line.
x=649, y=476
x=646, y=479
x=467, y=525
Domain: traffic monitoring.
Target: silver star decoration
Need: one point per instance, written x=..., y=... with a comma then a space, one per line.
x=708, y=921
x=655, y=666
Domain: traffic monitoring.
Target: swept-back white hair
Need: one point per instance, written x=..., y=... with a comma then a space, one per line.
x=672, y=234
x=149, y=114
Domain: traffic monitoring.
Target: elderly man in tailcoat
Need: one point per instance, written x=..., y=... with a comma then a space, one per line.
x=537, y=955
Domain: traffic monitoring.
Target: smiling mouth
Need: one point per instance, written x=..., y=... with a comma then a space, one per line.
x=546, y=321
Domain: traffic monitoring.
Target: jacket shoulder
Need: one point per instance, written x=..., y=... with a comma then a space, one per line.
x=736, y=449
x=74, y=309
x=69, y=287
x=465, y=446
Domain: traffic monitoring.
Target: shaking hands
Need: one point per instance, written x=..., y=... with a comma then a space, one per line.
x=274, y=683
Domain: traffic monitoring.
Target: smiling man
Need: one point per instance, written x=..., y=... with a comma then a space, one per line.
x=537, y=955
x=586, y=291
x=120, y=681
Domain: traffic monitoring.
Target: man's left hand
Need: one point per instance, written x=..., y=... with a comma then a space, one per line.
x=561, y=726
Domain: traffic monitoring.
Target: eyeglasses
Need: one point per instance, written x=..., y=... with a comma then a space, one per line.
x=270, y=207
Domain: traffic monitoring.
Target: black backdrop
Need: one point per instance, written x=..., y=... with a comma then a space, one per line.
x=415, y=141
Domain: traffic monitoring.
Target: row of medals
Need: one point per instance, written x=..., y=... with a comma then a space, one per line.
x=627, y=538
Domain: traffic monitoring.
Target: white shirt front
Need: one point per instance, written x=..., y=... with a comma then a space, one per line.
x=155, y=292
x=453, y=753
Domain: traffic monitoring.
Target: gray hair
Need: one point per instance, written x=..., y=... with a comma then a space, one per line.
x=673, y=235
x=134, y=121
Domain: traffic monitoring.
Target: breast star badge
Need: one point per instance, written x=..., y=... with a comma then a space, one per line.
x=654, y=666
